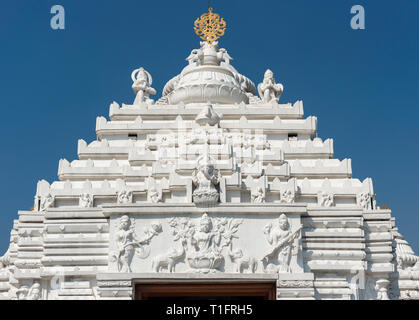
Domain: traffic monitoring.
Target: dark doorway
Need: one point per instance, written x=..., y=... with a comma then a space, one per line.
x=231, y=291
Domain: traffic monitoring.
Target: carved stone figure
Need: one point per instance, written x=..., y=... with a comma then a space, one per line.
x=208, y=116
x=35, y=292
x=225, y=56
x=241, y=261
x=205, y=180
x=142, y=82
x=287, y=196
x=26, y=293
x=258, y=195
x=269, y=91
x=22, y=293
x=281, y=239
x=365, y=201
x=203, y=243
x=195, y=57
x=206, y=242
x=86, y=200
x=124, y=197
x=47, y=202
x=154, y=195
x=129, y=243
x=381, y=286
x=325, y=199
x=169, y=260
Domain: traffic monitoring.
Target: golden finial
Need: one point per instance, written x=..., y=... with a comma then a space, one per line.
x=210, y=26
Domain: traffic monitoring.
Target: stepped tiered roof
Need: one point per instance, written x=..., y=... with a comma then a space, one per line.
x=215, y=178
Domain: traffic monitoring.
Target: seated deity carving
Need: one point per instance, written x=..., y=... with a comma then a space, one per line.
x=205, y=180
x=281, y=240
x=202, y=244
x=287, y=196
x=86, y=200
x=142, y=82
x=325, y=199
x=154, y=195
x=258, y=195
x=269, y=91
x=129, y=243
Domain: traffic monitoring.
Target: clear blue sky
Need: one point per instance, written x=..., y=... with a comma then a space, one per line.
x=362, y=85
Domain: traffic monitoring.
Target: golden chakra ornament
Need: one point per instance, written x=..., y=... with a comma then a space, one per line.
x=210, y=26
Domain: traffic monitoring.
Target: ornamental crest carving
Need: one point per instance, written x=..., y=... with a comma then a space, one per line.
x=210, y=26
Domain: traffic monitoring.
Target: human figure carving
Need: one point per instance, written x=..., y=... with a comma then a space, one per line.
x=124, y=197
x=287, y=196
x=154, y=195
x=205, y=179
x=22, y=293
x=381, y=287
x=142, y=82
x=269, y=91
x=47, y=202
x=281, y=239
x=365, y=201
x=325, y=199
x=206, y=242
x=35, y=292
x=127, y=241
x=86, y=200
x=258, y=196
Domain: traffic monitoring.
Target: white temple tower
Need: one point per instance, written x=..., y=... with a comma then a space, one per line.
x=216, y=182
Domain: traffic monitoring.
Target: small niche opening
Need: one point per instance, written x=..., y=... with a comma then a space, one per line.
x=132, y=136
x=292, y=136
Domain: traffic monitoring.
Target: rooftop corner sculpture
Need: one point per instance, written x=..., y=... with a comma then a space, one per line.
x=210, y=26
